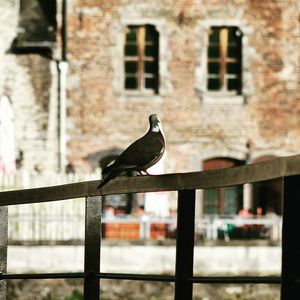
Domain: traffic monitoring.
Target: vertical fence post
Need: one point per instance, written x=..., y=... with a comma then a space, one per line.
x=92, y=248
x=290, y=268
x=3, y=248
x=185, y=245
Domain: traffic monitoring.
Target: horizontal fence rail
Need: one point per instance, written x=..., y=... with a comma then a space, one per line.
x=152, y=277
x=287, y=168
x=267, y=170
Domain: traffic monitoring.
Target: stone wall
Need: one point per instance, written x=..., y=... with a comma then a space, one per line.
x=72, y=289
x=213, y=261
x=151, y=259
x=30, y=82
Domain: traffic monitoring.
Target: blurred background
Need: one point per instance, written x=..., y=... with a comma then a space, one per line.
x=78, y=80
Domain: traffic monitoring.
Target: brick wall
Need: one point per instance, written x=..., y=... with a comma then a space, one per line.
x=100, y=117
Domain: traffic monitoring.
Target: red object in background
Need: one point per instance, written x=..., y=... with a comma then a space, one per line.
x=122, y=231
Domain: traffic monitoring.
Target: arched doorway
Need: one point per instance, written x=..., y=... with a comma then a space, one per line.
x=222, y=201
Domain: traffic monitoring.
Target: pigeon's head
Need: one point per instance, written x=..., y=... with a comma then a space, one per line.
x=153, y=119
x=154, y=122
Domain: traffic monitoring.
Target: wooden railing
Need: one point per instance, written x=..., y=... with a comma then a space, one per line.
x=287, y=168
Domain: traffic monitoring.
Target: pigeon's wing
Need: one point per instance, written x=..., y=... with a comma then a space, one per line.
x=140, y=155
x=143, y=152
x=154, y=150
x=117, y=167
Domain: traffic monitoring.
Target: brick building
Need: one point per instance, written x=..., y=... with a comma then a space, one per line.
x=222, y=75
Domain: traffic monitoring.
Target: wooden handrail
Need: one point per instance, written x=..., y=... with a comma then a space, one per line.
x=267, y=170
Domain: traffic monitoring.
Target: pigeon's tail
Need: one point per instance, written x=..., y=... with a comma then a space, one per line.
x=105, y=180
x=102, y=183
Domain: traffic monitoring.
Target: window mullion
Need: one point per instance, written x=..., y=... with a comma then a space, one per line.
x=141, y=37
x=223, y=56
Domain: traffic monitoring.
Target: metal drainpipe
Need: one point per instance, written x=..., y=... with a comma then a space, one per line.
x=62, y=85
x=62, y=69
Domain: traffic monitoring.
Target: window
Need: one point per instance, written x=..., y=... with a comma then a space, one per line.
x=224, y=60
x=141, y=59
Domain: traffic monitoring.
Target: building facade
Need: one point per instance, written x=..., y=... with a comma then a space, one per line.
x=29, y=81
x=223, y=77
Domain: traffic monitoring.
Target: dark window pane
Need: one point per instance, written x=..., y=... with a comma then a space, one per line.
x=130, y=50
x=233, y=35
x=213, y=68
x=130, y=67
x=150, y=83
x=151, y=33
x=131, y=83
x=232, y=197
x=211, y=201
x=213, y=51
x=234, y=51
x=233, y=68
x=131, y=34
x=233, y=84
x=151, y=50
x=214, y=84
x=214, y=35
x=150, y=67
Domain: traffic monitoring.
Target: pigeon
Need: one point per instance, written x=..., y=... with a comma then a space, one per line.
x=140, y=155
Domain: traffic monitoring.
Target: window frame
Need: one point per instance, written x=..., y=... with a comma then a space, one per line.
x=141, y=58
x=222, y=59
x=247, y=51
x=165, y=87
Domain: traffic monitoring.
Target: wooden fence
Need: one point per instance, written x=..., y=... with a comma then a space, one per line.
x=288, y=169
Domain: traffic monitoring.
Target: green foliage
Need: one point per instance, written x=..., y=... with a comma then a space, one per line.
x=76, y=295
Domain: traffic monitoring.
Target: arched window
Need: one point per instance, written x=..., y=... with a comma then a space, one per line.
x=222, y=201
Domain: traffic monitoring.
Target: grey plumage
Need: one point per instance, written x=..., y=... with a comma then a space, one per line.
x=140, y=155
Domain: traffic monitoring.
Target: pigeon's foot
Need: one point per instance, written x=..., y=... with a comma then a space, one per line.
x=143, y=173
